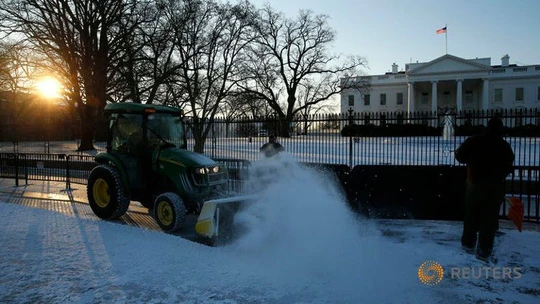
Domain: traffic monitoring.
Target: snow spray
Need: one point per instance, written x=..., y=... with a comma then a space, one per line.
x=300, y=225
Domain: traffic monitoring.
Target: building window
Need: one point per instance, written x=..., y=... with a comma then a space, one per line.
x=468, y=97
x=519, y=94
x=366, y=99
x=425, y=98
x=538, y=95
x=383, y=99
x=497, y=96
x=400, y=97
x=351, y=100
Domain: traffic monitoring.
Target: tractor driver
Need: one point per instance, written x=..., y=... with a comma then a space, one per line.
x=129, y=132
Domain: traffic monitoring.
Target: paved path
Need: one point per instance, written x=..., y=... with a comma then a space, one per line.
x=55, y=197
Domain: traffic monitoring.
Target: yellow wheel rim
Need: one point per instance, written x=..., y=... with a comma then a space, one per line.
x=101, y=193
x=165, y=213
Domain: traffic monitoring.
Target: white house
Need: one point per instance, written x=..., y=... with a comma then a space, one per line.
x=448, y=83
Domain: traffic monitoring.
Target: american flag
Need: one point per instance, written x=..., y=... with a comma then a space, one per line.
x=441, y=30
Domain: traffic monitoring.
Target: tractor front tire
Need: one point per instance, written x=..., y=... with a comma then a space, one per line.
x=106, y=193
x=169, y=211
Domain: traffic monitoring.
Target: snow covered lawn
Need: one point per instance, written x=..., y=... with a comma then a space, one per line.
x=301, y=246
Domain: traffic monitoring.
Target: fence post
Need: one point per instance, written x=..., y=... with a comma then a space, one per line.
x=68, y=184
x=16, y=169
x=351, y=139
x=214, y=140
x=25, y=169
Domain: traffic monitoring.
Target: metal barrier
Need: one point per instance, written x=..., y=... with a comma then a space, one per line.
x=9, y=167
x=46, y=167
x=237, y=170
x=434, y=192
x=76, y=168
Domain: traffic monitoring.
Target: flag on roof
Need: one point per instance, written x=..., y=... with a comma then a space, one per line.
x=441, y=30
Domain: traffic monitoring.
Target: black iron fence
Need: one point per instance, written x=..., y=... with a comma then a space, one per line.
x=394, y=138
x=382, y=191
x=348, y=141
x=420, y=138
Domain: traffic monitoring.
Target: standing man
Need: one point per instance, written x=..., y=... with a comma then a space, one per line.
x=489, y=160
x=272, y=147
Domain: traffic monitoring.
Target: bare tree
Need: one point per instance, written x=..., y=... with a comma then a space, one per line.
x=77, y=37
x=210, y=40
x=5, y=75
x=231, y=109
x=292, y=55
x=307, y=108
x=16, y=67
x=148, y=70
x=19, y=70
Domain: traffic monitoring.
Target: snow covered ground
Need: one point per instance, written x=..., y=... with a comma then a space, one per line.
x=302, y=245
x=325, y=148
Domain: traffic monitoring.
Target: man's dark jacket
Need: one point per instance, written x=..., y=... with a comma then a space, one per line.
x=488, y=156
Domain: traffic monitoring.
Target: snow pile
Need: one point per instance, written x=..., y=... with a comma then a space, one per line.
x=304, y=233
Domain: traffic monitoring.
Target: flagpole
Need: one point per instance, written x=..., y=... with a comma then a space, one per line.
x=446, y=37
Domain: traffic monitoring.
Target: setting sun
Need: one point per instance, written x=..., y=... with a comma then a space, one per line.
x=49, y=87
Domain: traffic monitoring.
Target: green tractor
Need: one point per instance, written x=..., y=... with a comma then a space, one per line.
x=147, y=161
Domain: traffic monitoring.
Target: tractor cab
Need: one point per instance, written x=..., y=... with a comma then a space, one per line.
x=135, y=133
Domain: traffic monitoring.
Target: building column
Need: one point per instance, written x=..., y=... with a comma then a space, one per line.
x=485, y=94
x=410, y=97
x=434, y=96
x=459, y=95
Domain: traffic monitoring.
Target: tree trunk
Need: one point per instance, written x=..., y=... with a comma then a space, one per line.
x=284, y=130
x=87, y=128
x=199, y=144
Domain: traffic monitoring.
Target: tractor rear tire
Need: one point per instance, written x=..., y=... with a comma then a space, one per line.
x=106, y=193
x=169, y=211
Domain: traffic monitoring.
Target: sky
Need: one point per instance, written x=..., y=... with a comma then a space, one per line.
x=301, y=245
x=396, y=31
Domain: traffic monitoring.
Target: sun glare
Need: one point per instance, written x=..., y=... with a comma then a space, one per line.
x=49, y=87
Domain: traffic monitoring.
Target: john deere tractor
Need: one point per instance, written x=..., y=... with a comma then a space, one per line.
x=147, y=161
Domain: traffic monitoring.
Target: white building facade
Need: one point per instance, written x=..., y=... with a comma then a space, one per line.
x=448, y=83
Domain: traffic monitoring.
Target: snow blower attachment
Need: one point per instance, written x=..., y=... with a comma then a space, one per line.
x=217, y=213
x=147, y=161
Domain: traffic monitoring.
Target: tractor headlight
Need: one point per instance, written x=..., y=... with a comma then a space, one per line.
x=200, y=176
x=201, y=170
x=209, y=176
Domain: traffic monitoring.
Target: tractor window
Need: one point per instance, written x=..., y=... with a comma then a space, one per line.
x=166, y=127
x=126, y=132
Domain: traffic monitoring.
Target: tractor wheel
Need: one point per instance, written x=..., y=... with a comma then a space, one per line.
x=106, y=193
x=169, y=211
